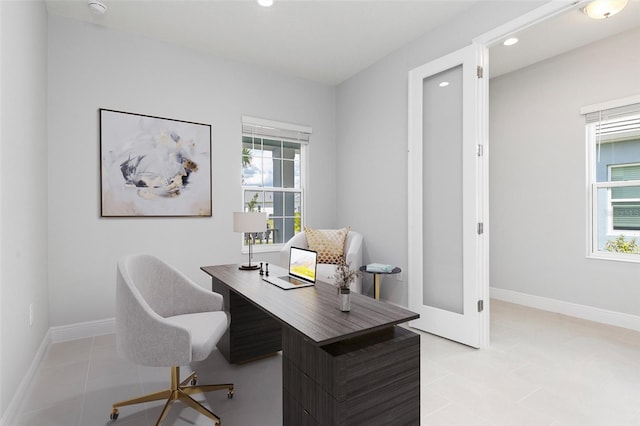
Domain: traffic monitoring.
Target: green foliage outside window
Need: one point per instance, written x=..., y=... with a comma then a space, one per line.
x=246, y=157
x=621, y=245
x=251, y=205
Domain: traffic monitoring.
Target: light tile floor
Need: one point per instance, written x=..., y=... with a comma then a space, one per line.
x=542, y=369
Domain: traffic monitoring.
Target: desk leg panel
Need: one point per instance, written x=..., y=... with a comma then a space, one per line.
x=372, y=380
x=356, y=365
x=295, y=413
x=252, y=333
x=394, y=403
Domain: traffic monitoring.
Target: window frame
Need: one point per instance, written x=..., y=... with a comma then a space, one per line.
x=593, y=186
x=285, y=133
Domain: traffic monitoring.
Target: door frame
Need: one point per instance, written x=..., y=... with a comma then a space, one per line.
x=483, y=42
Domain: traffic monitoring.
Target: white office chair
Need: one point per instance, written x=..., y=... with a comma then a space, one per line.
x=163, y=319
x=325, y=271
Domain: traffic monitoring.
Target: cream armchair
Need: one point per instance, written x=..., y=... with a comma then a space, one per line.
x=163, y=319
x=352, y=251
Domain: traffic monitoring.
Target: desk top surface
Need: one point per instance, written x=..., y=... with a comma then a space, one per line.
x=313, y=311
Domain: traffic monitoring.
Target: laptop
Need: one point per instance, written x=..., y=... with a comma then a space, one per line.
x=302, y=270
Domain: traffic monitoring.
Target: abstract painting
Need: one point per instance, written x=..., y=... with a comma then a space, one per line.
x=153, y=166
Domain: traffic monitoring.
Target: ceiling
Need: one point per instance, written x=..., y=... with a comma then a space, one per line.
x=327, y=41
x=560, y=34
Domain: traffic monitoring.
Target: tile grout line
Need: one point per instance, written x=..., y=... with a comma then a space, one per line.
x=527, y=364
x=86, y=381
x=539, y=388
x=439, y=409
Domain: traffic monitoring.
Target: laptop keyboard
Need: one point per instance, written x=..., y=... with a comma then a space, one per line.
x=292, y=280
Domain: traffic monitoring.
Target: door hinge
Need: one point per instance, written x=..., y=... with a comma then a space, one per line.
x=479, y=71
x=480, y=305
x=480, y=228
x=480, y=150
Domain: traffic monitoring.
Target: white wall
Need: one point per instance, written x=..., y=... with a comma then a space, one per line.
x=372, y=139
x=23, y=187
x=91, y=68
x=537, y=176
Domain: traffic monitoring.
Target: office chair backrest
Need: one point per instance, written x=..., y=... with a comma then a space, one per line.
x=152, y=283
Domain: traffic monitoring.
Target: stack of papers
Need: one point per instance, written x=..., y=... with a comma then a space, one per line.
x=379, y=267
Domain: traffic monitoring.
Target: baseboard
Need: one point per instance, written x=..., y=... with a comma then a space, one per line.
x=590, y=313
x=82, y=330
x=13, y=409
x=54, y=335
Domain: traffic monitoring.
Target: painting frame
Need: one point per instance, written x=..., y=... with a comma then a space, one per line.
x=154, y=166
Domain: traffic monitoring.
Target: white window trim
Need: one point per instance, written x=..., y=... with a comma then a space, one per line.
x=290, y=133
x=261, y=122
x=592, y=185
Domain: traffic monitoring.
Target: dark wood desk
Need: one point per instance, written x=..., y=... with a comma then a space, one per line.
x=339, y=368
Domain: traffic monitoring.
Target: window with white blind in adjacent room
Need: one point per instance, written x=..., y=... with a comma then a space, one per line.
x=613, y=152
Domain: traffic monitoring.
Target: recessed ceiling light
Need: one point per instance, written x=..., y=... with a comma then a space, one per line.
x=444, y=84
x=265, y=3
x=510, y=41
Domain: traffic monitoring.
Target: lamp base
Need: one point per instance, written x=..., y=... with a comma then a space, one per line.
x=248, y=267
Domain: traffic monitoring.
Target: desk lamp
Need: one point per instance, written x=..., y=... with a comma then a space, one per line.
x=249, y=223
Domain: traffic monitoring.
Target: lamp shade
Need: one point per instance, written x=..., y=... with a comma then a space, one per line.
x=249, y=222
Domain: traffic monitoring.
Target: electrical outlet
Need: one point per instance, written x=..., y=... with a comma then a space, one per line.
x=30, y=314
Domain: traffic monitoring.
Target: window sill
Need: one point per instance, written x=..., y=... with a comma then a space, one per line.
x=263, y=248
x=618, y=257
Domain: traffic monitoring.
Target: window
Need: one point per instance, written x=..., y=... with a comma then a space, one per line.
x=613, y=146
x=273, y=177
x=625, y=201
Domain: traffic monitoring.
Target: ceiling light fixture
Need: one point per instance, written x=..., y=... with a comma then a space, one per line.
x=444, y=84
x=510, y=41
x=601, y=9
x=265, y=3
x=97, y=7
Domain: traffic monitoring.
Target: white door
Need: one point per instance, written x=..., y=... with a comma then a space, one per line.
x=448, y=261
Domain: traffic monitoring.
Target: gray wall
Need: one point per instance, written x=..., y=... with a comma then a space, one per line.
x=91, y=68
x=372, y=116
x=537, y=176
x=23, y=190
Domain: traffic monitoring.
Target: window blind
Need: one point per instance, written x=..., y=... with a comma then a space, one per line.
x=612, y=113
x=269, y=129
x=616, y=123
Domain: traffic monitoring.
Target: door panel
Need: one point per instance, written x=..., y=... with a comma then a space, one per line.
x=442, y=282
x=446, y=261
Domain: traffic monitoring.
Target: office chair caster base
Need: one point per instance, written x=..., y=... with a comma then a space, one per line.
x=114, y=415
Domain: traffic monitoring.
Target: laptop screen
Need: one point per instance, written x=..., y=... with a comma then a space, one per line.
x=302, y=264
